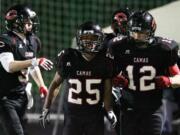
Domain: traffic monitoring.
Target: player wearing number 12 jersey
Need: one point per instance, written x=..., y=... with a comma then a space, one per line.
x=149, y=65
x=87, y=74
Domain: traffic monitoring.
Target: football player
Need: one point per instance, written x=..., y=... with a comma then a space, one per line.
x=171, y=100
x=86, y=73
x=149, y=63
x=18, y=49
x=119, y=27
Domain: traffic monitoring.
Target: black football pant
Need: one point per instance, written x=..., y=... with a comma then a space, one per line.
x=142, y=122
x=12, y=111
x=89, y=125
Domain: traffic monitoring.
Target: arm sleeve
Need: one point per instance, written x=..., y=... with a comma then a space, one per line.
x=5, y=59
x=38, y=42
x=174, y=55
x=5, y=44
x=170, y=48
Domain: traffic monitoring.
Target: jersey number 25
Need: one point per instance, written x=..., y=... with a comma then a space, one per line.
x=89, y=90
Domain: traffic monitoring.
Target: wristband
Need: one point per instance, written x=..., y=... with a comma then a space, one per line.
x=34, y=62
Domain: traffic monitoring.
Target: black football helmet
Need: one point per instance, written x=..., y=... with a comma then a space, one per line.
x=89, y=37
x=142, y=22
x=119, y=21
x=16, y=16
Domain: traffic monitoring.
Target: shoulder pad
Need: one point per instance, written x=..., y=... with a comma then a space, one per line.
x=167, y=44
x=5, y=43
x=6, y=39
x=66, y=52
x=109, y=36
x=38, y=41
x=117, y=41
x=119, y=38
x=64, y=56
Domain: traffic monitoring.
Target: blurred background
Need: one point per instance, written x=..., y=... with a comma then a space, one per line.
x=58, y=22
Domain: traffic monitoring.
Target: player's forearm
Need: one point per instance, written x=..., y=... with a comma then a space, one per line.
x=33, y=75
x=175, y=73
x=37, y=76
x=15, y=66
x=108, y=95
x=11, y=65
x=107, y=105
x=52, y=88
x=51, y=96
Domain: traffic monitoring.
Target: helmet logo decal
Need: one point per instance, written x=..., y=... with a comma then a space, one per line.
x=136, y=28
x=11, y=15
x=31, y=13
x=88, y=32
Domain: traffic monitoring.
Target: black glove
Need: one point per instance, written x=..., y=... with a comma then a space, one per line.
x=44, y=118
x=112, y=118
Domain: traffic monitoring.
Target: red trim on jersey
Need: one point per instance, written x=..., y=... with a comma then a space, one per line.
x=174, y=70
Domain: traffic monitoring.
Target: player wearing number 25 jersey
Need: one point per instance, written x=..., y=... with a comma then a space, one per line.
x=149, y=65
x=86, y=73
x=84, y=81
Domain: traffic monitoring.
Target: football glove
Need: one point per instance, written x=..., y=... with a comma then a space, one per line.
x=43, y=91
x=44, y=119
x=45, y=63
x=42, y=62
x=112, y=118
x=162, y=82
x=120, y=81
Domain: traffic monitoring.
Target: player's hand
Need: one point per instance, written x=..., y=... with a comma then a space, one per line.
x=112, y=118
x=44, y=119
x=162, y=82
x=120, y=81
x=43, y=91
x=42, y=62
x=45, y=63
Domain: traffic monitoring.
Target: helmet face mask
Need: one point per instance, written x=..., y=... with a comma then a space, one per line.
x=90, y=42
x=28, y=25
x=18, y=16
x=89, y=38
x=141, y=38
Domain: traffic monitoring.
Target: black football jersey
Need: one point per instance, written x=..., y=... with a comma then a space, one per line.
x=141, y=66
x=10, y=42
x=178, y=62
x=84, y=81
